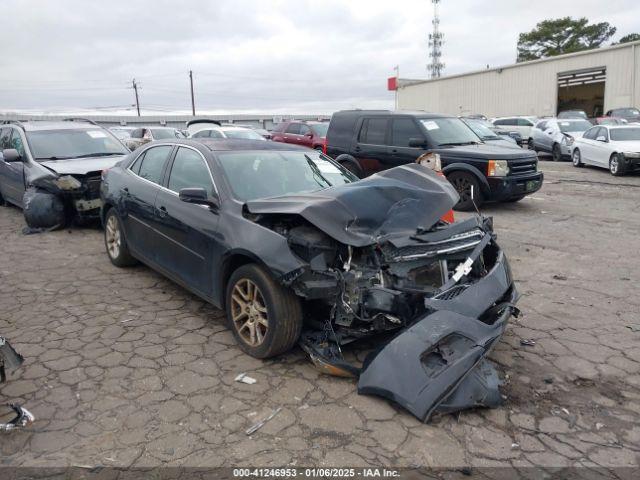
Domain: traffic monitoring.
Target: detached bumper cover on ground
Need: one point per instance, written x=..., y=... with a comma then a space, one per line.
x=438, y=364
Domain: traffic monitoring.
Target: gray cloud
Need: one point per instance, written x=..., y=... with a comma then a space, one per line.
x=258, y=56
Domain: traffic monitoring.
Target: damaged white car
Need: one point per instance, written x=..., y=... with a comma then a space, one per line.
x=52, y=170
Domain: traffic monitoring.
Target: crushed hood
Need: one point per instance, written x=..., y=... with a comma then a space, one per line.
x=392, y=203
x=81, y=166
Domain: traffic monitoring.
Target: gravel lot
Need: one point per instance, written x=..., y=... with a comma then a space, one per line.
x=125, y=368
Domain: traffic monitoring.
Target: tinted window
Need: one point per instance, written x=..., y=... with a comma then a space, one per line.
x=373, y=131
x=189, y=170
x=523, y=122
x=402, y=130
x=293, y=128
x=506, y=121
x=153, y=162
x=625, y=134
x=449, y=132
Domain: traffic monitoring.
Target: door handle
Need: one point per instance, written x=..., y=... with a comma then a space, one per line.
x=162, y=211
x=357, y=149
x=125, y=191
x=394, y=151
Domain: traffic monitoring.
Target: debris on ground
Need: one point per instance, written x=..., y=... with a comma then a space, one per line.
x=548, y=379
x=559, y=277
x=23, y=418
x=527, y=342
x=634, y=327
x=244, y=378
x=257, y=426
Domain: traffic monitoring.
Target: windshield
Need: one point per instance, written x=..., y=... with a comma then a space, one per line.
x=261, y=174
x=319, y=128
x=68, y=143
x=573, y=114
x=449, y=132
x=625, y=134
x=574, y=125
x=162, y=133
x=481, y=129
x=243, y=133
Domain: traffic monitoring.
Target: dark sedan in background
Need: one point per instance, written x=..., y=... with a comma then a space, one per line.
x=297, y=249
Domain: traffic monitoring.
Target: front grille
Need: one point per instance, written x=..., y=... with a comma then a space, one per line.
x=456, y=243
x=523, y=166
x=453, y=292
x=93, y=187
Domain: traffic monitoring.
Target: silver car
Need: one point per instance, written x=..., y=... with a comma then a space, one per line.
x=556, y=136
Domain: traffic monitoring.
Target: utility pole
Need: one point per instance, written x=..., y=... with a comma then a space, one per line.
x=435, y=44
x=397, y=69
x=193, y=103
x=135, y=89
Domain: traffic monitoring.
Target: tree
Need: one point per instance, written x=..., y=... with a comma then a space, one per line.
x=562, y=35
x=632, y=37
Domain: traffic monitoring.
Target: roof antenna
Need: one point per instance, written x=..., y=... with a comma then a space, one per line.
x=474, y=202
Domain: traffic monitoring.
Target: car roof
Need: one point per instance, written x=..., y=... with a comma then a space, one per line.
x=229, y=144
x=35, y=125
x=400, y=113
x=624, y=126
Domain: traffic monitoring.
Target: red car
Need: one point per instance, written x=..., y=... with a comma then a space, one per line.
x=308, y=134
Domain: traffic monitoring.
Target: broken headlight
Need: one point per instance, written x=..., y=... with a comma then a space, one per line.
x=67, y=182
x=430, y=160
x=498, y=168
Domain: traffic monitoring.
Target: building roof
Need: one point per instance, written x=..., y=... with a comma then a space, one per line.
x=410, y=83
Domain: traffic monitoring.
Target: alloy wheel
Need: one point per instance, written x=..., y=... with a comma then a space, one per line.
x=463, y=187
x=613, y=165
x=556, y=153
x=249, y=312
x=113, y=237
x=576, y=157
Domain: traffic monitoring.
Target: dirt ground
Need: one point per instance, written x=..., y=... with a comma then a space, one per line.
x=125, y=368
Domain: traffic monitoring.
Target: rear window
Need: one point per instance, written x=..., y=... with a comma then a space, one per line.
x=341, y=130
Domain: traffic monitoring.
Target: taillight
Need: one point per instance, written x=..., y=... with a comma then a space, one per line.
x=324, y=147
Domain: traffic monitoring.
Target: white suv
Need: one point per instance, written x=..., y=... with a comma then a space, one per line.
x=520, y=124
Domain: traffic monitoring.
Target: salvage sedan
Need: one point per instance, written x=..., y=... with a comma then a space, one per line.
x=298, y=250
x=52, y=169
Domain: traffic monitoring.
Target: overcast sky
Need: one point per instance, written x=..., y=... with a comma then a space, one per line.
x=270, y=56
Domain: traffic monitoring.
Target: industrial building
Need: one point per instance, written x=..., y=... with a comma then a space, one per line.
x=594, y=81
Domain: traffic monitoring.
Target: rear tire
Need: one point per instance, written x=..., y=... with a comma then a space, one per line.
x=616, y=165
x=462, y=182
x=576, y=158
x=115, y=243
x=556, y=153
x=265, y=318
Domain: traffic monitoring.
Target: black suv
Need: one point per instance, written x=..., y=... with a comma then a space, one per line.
x=367, y=141
x=52, y=169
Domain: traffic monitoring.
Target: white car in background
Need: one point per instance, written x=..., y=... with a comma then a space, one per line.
x=556, y=136
x=616, y=147
x=521, y=124
x=227, y=132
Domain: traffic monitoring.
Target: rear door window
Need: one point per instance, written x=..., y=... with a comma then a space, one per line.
x=523, y=122
x=152, y=163
x=403, y=130
x=373, y=131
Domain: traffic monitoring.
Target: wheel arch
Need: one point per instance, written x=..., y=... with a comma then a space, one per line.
x=232, y=261
x=463, y=167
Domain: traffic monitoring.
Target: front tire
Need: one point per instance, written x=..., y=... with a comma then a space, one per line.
x=530, y=144
x=465, y=183
x=576, y=158
x=115, y=243
x=265, y=318
x=616, y=165
x=556, y=153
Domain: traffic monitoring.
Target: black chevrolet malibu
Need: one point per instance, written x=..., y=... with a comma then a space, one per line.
x=298, y=250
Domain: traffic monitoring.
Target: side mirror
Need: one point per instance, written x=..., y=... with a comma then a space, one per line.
x=11, y=155
x=417, y=142
x=601, y=138
x=198, y=195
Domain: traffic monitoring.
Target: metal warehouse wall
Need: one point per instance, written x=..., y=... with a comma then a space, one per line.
x=528, y=88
